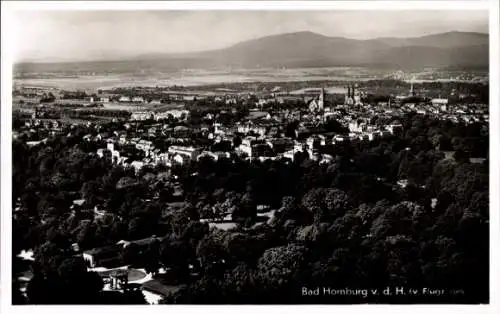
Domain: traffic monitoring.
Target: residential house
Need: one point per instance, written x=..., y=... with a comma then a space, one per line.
x=103, y=256
x=190, y=153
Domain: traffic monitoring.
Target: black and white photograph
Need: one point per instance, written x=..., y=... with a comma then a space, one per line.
x=243, y=156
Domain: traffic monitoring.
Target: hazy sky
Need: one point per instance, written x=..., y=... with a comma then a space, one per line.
x=80, y=35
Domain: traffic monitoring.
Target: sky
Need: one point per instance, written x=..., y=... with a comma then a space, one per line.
x=92, y=35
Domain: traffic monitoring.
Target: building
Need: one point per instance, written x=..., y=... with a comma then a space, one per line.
x=190, y=153
x=317, y=105
x=412, y=91
x=410, y=97
x=176, y=113
x=213, y=155
x=251, y=127
x=154, y=291
x=103, y=256
x=144, y=145
x=315, y=141
x=373, y=136
x=357, y=97
x=339, y=139
x=280, y=145
x=138, y=99
x=439, y=101
x=252, y=147
x=137, y=165
x=357, y=126
x=349, y=97
x=394, y=128
x=110, y=256
x=141, y=115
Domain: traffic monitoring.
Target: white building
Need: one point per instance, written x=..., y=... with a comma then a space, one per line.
x=250, y=127
x=357, y=126
x=144, y=145
x=189, y=152
x=213, y=155
x=439, y=101
x=373, y=135
x=100, y=152
x=393, y=127
x=175, y=113
x=137, y=165
x=141, y=115
x=338, y=138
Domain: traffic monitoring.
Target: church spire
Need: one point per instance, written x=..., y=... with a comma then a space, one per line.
x=412, y=91
x=321, y=99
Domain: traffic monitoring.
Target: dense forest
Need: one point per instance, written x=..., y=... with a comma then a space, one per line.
x=344, y=224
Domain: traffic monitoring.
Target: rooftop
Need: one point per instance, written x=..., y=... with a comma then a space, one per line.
x=104, y=250
x=158, y=287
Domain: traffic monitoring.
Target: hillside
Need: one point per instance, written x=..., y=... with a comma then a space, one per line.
x=304, y=49
x=443, y=40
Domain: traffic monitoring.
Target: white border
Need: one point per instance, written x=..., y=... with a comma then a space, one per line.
x=250, y=5
x=494, y=156
x=6, y=149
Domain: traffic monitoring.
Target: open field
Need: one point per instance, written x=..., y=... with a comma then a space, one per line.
x=92, y=81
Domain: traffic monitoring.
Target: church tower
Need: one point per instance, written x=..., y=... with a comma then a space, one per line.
x=412, y=91
x=318, y=103
x=349, y=96
x=356, y=97
x=321, y=100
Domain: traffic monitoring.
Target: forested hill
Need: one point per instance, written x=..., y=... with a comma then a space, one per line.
x=305, y=49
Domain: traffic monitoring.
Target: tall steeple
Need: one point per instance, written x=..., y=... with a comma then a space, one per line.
x=321, y=100
x=356, y=97
x=348, y=96
x=412, y=91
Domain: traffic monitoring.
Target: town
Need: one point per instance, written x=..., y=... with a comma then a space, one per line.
x=152, y=182
x=274, y=125
x=197, y=153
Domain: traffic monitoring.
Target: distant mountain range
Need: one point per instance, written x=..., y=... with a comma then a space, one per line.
x=306, y=49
